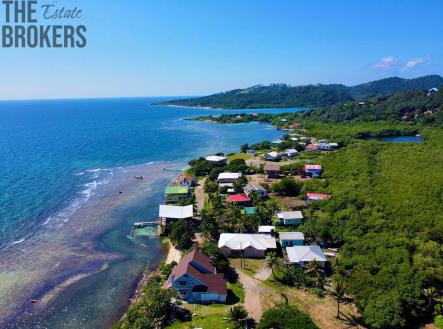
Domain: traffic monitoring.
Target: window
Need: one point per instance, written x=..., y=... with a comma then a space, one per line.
x=182, y=283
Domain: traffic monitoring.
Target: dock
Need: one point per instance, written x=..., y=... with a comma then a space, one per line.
x=140, y=225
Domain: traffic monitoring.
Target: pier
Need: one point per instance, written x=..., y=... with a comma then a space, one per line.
x=141, y=225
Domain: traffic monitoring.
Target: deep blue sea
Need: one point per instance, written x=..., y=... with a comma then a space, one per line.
x=62, y=163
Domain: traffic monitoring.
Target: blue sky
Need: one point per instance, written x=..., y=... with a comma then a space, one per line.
x=197, y=47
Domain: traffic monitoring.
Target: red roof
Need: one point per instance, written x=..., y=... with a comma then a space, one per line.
x=318, y=195
x=238, y=198
x=311, y=147
x=192, y=265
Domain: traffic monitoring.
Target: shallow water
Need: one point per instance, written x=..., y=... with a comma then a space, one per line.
x=64, y=226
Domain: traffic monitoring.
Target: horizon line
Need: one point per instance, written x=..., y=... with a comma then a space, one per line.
x=73, y=98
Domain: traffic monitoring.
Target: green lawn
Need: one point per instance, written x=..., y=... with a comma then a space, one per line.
x=243, y=156
x=212, y=316
x=251, y=266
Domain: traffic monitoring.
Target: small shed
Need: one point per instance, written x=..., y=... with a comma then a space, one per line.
x=239, y=199
x=272, y=170
x=289, y=239
x=290, y=217
x=272, y=156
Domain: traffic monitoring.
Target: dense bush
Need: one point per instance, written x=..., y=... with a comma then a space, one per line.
x=181, y=234
x=287, y=186
x=285, y=317
x=156, y=308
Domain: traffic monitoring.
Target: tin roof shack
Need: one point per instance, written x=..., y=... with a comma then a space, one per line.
x=313, y=170
x=272, y=171
x=290, y=217
x=259, y=190
x=228, y=178
x=176, y=194
x=289, y=239
x=272, y=156
x=312, y=197
x=239, y=199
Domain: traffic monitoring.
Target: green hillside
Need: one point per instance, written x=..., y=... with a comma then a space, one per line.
x=283, y=96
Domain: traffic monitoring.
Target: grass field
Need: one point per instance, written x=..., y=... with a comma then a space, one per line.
x=243, y=156
x=212, y=316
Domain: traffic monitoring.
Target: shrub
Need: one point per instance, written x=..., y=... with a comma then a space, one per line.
x=285, y=317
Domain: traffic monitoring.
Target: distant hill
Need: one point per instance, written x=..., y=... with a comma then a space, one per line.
x=282, y=95
x=392, y=85
x=410, y=106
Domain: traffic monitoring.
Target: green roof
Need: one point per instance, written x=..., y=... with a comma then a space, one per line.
x=177, y=190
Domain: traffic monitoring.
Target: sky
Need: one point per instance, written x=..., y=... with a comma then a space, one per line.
x=199, y=47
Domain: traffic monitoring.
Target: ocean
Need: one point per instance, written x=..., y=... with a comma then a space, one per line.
x=68, y=200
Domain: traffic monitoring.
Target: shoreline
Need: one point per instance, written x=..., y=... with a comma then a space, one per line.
x=88, y=246
x=172, y=255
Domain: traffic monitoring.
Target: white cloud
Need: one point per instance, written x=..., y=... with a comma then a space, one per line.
x=415, y=61
x=385, y=63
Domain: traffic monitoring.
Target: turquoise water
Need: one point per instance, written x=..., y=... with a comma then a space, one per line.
x=64, y=226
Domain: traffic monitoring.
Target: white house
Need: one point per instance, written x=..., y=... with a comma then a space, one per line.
x=168, y=213
x=291, y=152
x=267, y=229
x=326, y=146
x=290, y=217
x=228, y=177
x=216, y=159
x=303, y=255
x=246, y=245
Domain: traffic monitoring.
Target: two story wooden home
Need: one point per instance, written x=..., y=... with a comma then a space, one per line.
x=196, y=279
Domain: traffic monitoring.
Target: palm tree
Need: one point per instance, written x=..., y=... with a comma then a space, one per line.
x=431, y=295
x=339, y=291
x=353, y=320
x=240, y=227
x=272, y=262
x=315, y=272
x=237, y=315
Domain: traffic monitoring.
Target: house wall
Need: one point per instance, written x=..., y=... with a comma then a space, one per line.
x=292, y=221
x=208, y=297
x=227, y=180
x=171, y=198
x=290, y=243
x=247, y=253
x=272, y=173
x=304, y=264
x=185, y=289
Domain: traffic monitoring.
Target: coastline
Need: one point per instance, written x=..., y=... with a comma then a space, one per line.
x=172, y=255
x=83, y=252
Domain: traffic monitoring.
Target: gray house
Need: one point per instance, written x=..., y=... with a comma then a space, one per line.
x=255, y=188
x=196, y=279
